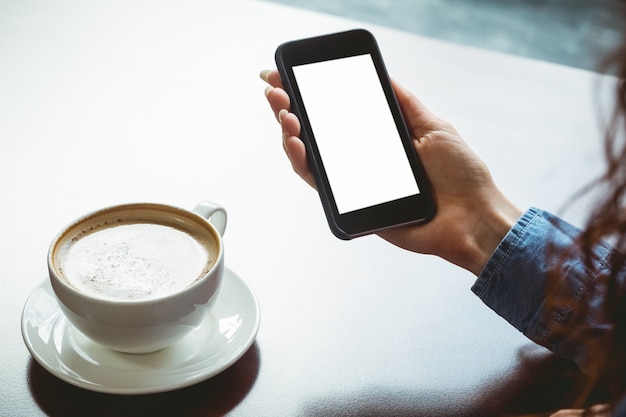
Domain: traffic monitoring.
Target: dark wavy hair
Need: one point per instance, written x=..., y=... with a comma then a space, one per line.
x=607, y=222
x=606, y=379
x=608, y=218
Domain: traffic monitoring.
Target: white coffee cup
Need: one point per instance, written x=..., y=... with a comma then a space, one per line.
x=137, y=278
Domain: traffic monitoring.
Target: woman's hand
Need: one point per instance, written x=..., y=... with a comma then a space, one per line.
x=472, y=213
x=602, y=410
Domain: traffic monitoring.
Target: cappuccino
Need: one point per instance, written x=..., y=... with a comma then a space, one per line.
x=135, y=261
x=138, y=277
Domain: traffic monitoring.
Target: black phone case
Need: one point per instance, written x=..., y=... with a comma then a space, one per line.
x=361, y=42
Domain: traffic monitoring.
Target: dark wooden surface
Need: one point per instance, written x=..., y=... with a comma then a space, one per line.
x=537, y=383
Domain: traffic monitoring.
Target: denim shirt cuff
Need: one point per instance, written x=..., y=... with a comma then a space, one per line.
x=509, y=283
x=537, y=279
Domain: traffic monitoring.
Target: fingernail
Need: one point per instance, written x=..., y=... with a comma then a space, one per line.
x=268, y=89
x=282, y=114
x=264, y=74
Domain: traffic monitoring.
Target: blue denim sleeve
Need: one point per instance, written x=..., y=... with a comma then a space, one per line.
x=538, y=280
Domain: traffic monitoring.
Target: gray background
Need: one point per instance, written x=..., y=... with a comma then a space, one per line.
x=576, y=33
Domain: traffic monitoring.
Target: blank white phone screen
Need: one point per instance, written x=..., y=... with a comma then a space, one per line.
x=355, y=132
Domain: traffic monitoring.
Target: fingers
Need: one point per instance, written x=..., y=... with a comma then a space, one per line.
x=276, y=96
x=296, y=153
x=278, y=99
x=419, y=119
x=272, y=77
x=600, y=410
x=411, y=106
x=293, y=146
x=289, y=123
x=280, y=104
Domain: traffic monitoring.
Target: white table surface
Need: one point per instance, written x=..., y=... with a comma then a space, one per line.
x=106, y=102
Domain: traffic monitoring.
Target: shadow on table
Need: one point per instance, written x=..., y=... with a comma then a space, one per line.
x=216, y=396
x=537, y=384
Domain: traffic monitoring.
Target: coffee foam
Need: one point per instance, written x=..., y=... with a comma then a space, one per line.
x=125, y=259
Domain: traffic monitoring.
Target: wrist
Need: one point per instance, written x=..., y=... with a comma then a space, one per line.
x=493, y=224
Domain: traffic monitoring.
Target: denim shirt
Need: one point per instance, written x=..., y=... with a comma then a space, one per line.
x=537, y=280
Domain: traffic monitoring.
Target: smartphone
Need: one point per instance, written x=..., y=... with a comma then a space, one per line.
x=368, y=174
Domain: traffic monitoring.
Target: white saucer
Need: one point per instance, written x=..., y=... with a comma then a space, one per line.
x=226, y=334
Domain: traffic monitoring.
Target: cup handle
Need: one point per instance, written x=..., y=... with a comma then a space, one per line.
x=214, y=213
